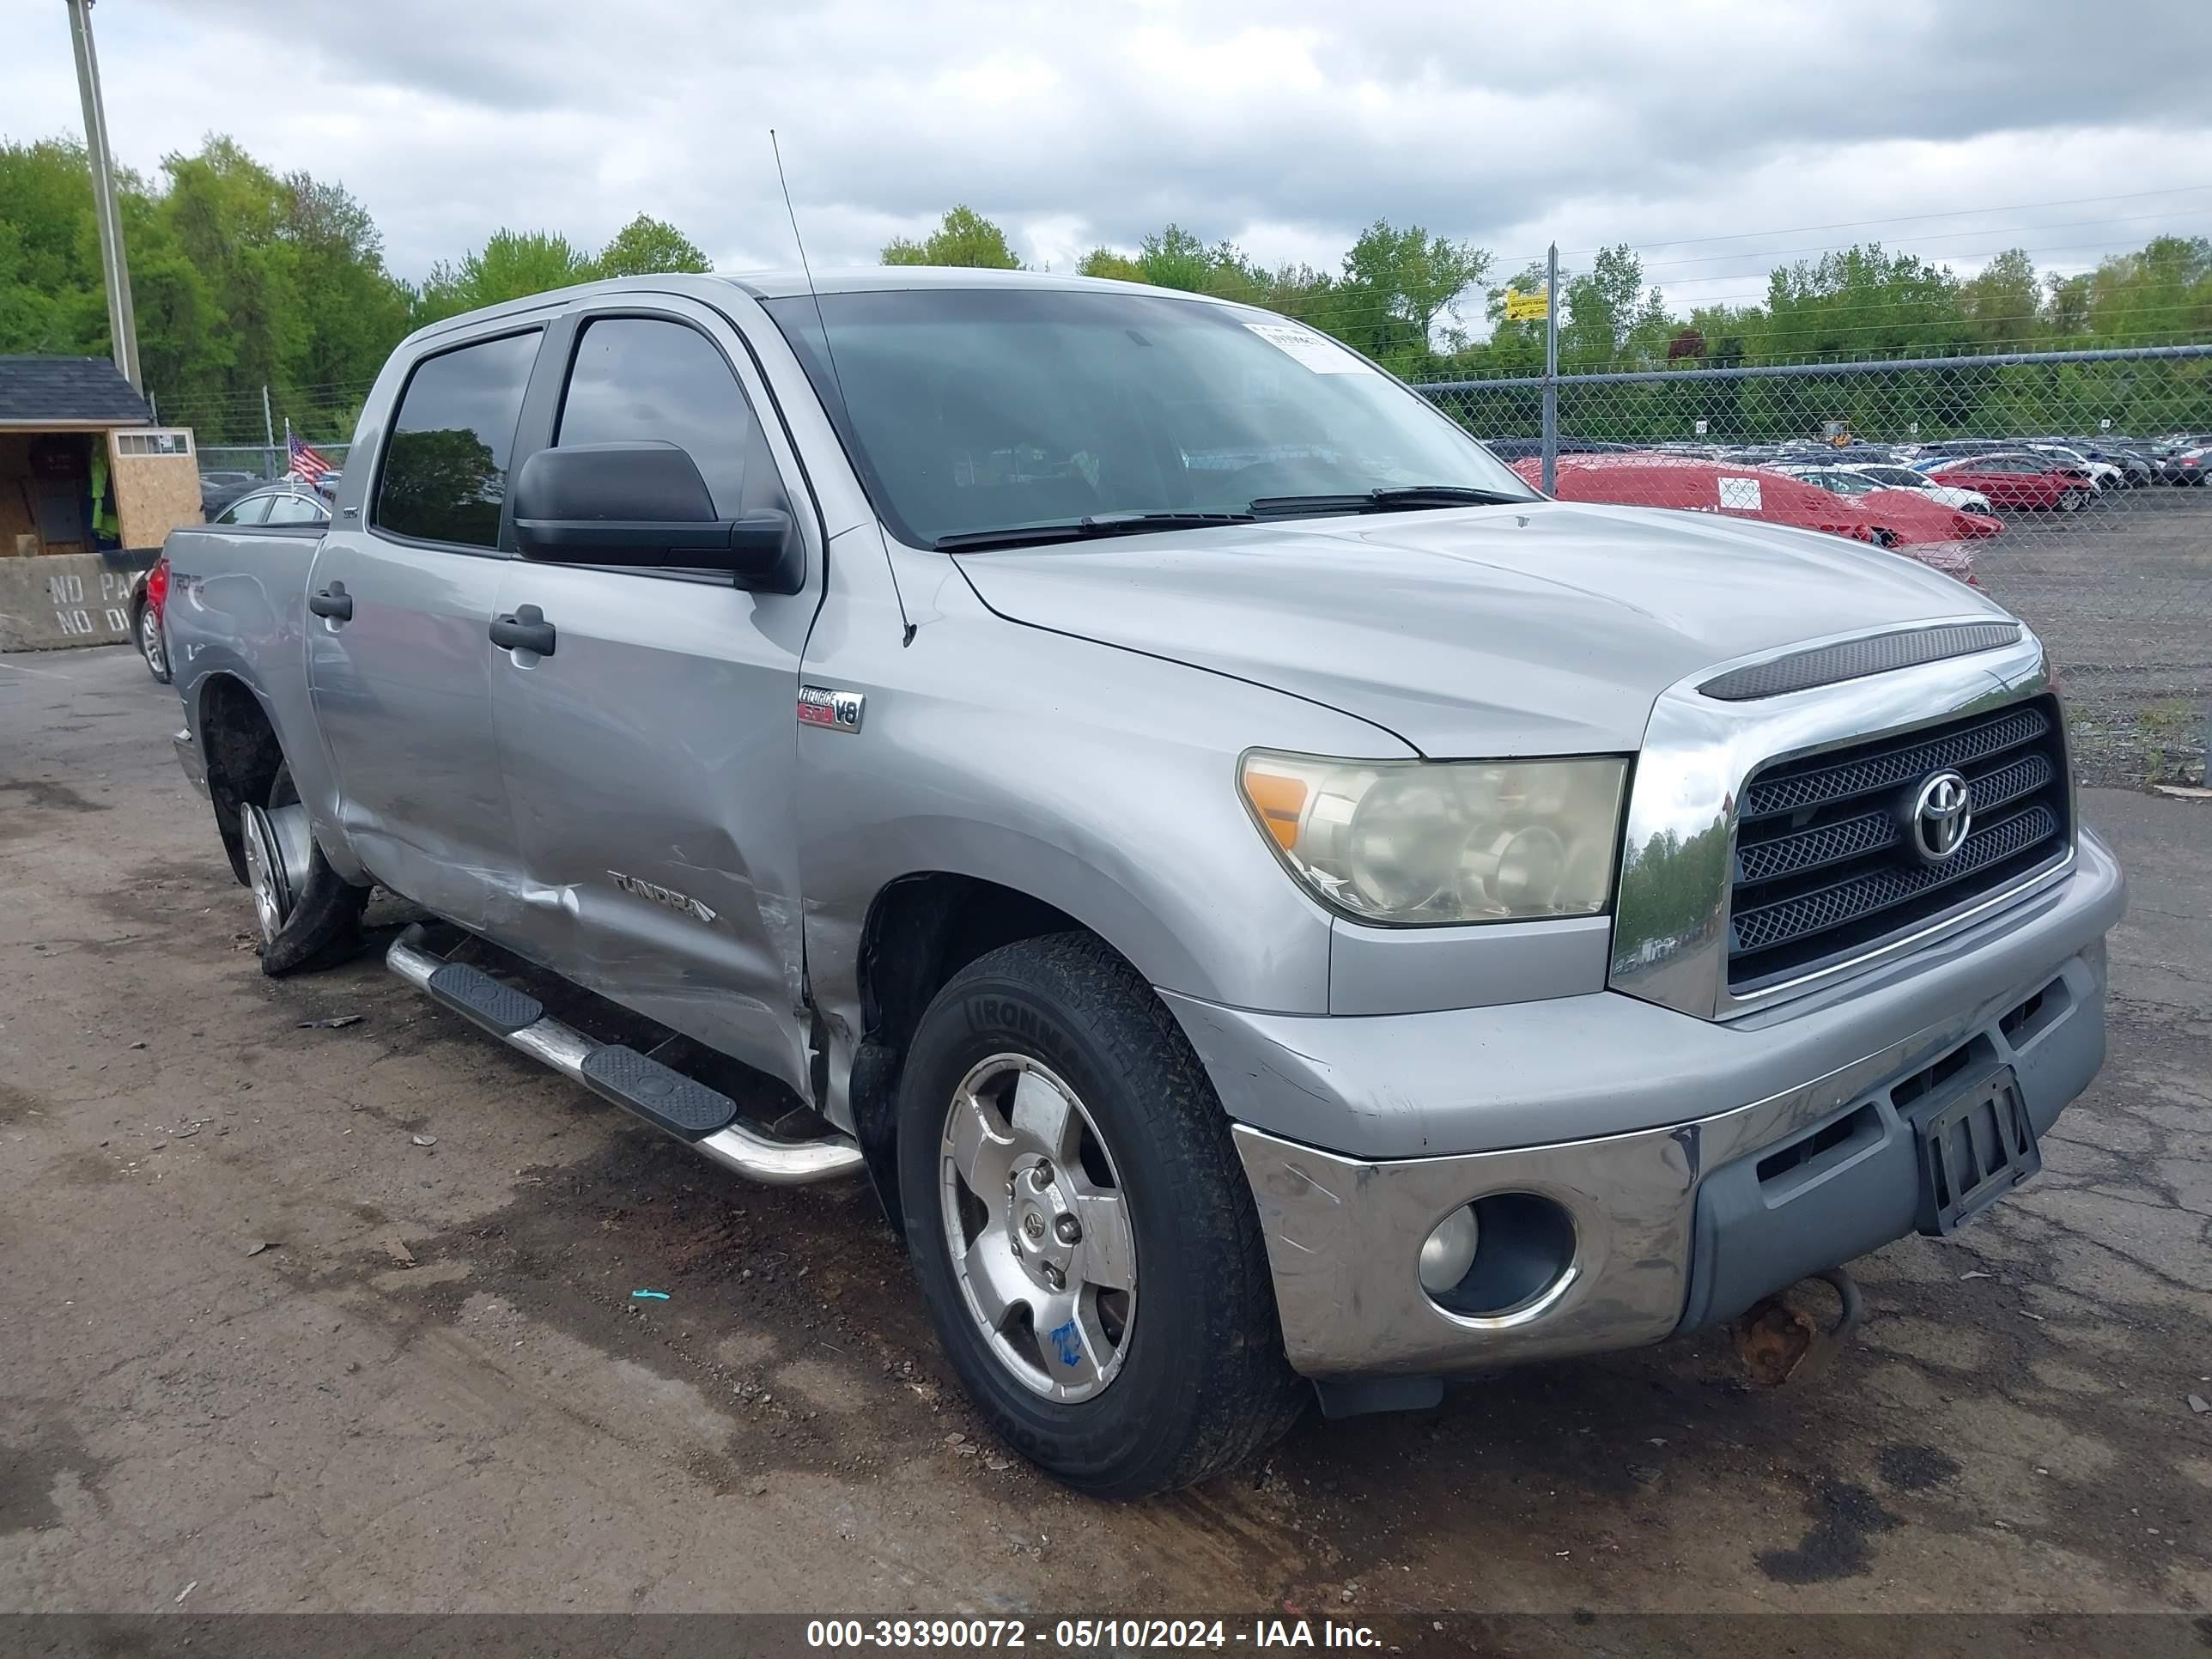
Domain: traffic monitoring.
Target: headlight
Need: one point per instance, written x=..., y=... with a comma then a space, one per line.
x=1434, y=842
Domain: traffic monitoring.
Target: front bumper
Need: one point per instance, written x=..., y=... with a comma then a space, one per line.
x=1673, y=1225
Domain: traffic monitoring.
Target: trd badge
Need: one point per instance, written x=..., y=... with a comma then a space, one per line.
x=832, y=710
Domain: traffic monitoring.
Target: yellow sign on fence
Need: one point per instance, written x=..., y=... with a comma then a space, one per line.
x=1522, y=307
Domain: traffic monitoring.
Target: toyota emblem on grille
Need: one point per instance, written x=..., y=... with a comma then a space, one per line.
x=1942, y=813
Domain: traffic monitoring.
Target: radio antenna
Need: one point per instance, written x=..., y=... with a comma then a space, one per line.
x=906, y=636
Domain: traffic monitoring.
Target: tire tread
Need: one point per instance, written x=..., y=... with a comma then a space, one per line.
x=1250, y=1397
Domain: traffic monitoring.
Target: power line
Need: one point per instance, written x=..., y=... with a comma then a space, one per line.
x=1910, y=218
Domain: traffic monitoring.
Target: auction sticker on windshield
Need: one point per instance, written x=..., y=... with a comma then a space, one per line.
x=1316, y=351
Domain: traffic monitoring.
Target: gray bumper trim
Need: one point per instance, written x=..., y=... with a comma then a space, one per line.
x=1343, y=1234
x=1583, y=1067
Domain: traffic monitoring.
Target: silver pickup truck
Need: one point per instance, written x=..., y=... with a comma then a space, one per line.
x=1275, y=906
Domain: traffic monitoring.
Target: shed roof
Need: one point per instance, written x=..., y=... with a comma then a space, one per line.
x=34, y=390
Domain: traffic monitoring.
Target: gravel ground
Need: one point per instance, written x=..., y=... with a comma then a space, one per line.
x=2121, y=593
x=262, y=1341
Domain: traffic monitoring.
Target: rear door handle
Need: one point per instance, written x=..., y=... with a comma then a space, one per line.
x=526, y=630
x=333, y=602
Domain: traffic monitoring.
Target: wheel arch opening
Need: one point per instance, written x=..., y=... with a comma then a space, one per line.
x=921, y=929
x=243, y=757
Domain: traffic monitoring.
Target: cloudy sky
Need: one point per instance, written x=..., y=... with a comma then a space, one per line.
x=1717, y=137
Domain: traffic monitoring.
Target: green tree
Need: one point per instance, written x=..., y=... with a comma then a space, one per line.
x=963, y=237
x=2002, y=302
x=51, y=298
x=1175, y=257
x=1611, y=320
x=1105, y=262
x=1396, y=285
x=646, y=245
x=356, y=310
x=512, y=264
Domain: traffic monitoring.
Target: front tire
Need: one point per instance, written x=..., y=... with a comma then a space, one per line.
x=1085, y=1240
x=307, y=914
x=2069, y=500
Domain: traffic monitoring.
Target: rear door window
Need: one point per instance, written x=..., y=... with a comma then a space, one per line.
x=253, y=509
x=445, y=464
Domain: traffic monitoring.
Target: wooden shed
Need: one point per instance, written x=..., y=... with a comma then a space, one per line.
x=90, y=487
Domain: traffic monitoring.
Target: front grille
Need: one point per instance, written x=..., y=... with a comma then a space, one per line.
x=1824, y=866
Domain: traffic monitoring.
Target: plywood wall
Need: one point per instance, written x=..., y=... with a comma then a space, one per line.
x=154, y=495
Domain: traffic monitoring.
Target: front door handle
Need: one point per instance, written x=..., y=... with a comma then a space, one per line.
x=333, y=602
x=526, y=630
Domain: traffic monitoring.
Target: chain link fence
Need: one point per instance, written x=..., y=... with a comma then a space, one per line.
x=2070, y=486
x=260, y=461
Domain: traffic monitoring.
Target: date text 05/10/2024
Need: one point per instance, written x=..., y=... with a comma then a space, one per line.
x=1088, y=1634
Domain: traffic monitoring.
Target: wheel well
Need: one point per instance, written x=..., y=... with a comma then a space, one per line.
x=242, y=757
x=920, y=931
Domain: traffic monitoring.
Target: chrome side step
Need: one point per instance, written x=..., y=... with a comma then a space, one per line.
x=666, y=1098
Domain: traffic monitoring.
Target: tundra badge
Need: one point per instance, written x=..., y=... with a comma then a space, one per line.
x=682, y=903
x=834, y=711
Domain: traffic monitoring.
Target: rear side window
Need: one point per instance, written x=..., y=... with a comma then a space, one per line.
x=252, y=509
x=641, y=378
x=444, y=465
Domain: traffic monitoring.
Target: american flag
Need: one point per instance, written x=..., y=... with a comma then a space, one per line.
x=305, y=462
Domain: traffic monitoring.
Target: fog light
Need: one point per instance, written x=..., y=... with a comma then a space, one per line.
x=1448, y=1251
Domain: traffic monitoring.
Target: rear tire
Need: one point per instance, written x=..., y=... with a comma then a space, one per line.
x=1192, y=1380
x=309, y=916
x=147, y=627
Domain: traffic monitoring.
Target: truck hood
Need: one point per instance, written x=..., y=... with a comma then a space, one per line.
x=1547, y=628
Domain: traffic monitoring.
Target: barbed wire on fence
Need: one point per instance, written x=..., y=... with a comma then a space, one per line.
x=2069, y=485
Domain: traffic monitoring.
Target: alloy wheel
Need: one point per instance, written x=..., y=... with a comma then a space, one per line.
x=149, y=641
x=1039, y=1229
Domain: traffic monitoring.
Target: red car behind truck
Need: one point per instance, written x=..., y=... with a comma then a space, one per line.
x=2020, y=481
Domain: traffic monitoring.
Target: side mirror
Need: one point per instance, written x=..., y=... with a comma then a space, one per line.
x=644, y=503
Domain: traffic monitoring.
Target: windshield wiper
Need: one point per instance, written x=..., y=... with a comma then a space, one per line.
x=1099, y=524
x=1405, y=498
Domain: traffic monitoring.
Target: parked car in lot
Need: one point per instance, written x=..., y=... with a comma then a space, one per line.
x=218, y=489
x=2135, y=461
x=1908, y=520
x=2187, y=465
x=147, y=596
x=283, y=503
x=1652, y=479
x=2105, y=475
x=2018, y=479
x=1896, y=475
x=1263, y=893
x=1937, y=536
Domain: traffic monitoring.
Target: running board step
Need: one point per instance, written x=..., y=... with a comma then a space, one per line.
x=683, y=1106
x=663, y=1096
x=499, y=1008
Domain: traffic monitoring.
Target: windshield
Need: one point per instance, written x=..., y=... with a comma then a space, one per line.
x=979, y=411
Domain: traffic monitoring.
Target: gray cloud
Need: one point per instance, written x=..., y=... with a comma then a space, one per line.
x=1285, y=126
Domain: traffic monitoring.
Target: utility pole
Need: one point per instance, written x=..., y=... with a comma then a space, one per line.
x=122, y=320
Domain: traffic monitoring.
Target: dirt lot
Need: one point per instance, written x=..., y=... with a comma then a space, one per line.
x=2121, y=591
x=219, y=1369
